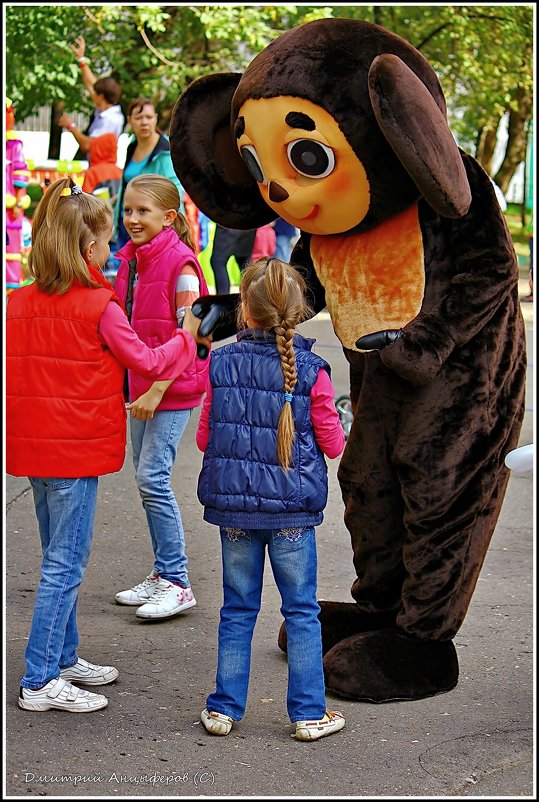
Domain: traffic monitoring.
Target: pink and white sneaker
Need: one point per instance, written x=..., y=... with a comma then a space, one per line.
x=166, y=601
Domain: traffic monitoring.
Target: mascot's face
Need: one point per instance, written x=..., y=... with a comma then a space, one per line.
x=304, y=166
x=337, y=126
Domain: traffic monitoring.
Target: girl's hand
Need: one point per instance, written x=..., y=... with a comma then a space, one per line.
x=191, y=324
x=146, y=404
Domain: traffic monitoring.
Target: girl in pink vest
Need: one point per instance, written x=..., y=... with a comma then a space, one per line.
x=67, y=343
x=158, y=279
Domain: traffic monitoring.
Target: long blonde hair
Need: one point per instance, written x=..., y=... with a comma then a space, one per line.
x=164, y=194
x=273, y=295
x=63, y=227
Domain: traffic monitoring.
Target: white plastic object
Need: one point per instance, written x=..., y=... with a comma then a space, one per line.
x=520, y=460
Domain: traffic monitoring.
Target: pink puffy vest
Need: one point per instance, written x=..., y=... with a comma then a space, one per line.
x=159, y=264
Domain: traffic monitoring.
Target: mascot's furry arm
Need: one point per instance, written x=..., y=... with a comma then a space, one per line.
x=462, y=294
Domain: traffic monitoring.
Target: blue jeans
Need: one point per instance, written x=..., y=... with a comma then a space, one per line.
x=155, y=444
x=65, y=510
x=284, y=247
x=292, y=554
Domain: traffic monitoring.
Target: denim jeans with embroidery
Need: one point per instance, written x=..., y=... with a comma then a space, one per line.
x=155, y=444
x=292, y=554
x=65, y=511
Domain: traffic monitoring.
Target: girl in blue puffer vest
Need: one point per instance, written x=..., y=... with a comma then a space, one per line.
x=267, y=420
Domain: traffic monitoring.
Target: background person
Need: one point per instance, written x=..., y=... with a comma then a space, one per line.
x=286, y=236
x=103, y=170
x=105, y=94
x=147, y=152
x=229, y=242
x=265, y=242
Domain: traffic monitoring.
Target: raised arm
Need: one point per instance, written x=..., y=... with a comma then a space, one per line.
x=88, y=78
x=84, y=141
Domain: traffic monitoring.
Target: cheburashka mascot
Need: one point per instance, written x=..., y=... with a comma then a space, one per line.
x=340, y=128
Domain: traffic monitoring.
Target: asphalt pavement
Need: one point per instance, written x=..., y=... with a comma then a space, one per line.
x=476, y=741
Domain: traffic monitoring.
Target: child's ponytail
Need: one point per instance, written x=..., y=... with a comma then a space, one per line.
x=182, y=229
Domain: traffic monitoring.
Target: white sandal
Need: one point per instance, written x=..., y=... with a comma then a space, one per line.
x=312, y=730
x=216, y=723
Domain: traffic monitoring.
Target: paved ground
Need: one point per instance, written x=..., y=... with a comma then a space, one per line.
x=476, y=741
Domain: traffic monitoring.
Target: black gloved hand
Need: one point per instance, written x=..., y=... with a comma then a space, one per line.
x=218, y=318
x=378, y=339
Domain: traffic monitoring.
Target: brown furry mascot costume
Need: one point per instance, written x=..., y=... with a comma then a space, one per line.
x=339, y=127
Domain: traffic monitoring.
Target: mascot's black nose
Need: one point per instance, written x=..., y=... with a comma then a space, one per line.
x=277, y=193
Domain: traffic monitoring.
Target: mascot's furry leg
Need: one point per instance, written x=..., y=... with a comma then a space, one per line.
x=421, y=505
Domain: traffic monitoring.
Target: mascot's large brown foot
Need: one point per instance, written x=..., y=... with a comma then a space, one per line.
x=387, y=666
x=340, y=620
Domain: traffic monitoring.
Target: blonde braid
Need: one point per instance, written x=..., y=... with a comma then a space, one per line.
x=284, y=334
x=273, y=297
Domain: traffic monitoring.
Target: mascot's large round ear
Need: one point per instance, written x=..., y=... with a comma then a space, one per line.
x=206, y=159
x=418, y=132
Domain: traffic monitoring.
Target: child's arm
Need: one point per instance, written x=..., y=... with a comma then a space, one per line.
x=325, y=418
x=83, y=140
x=203, y=431
x=187, y=291
x=146, y=404
x=166, y=361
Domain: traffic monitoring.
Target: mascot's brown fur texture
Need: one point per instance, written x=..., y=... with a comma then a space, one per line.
x=339, y=127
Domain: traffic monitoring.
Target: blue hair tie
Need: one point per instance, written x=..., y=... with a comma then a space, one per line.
x=288, y=397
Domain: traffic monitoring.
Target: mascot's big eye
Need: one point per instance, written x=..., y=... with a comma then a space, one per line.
x=250, y=157
x=311, y=158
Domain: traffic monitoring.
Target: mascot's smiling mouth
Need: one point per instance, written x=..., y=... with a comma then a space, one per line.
x=313, y=214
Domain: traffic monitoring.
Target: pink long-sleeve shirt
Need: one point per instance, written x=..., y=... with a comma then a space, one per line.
x=167, y=361
x=325, y=419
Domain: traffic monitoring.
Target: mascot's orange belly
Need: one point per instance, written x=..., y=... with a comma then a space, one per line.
x=373, y=281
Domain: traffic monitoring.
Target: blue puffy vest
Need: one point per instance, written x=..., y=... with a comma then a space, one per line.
x=241, y=483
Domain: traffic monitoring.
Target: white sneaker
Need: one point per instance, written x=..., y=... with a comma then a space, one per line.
x=312, y=730
x=167, y=600
x=84, y=673
x=141, y=593
x=61, y=695
x=216, y=723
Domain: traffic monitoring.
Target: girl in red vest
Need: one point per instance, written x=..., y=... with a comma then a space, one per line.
x=158, y=278
x=67, y=343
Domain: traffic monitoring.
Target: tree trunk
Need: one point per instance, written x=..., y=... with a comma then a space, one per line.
x=55, y=133
x=378, y=15
x=487, y=144
x=515, y=151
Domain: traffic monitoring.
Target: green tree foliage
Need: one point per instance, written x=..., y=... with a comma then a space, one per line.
x=484, y=58
x=482, y=54
x=152, y=50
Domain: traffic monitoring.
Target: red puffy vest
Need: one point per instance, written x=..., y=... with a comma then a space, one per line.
x=65, y=410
